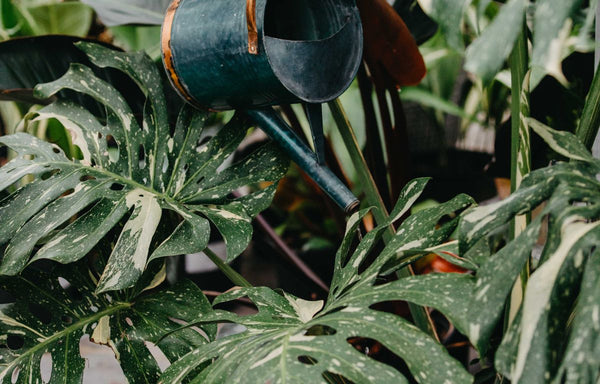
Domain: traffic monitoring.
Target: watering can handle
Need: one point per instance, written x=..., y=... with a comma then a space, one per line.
x=274, y=126
x=252, y=28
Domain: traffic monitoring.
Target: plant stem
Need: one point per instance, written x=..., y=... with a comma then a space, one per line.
x=289, y=253
x=590, y=117
x=419, y=314
x=231, y=274
x=520, y=150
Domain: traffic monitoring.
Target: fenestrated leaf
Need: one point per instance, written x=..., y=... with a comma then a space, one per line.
x=114, y=12
x=581, y=363
x=129, y=171
x=54, y=310
x=534, y=347
x=297, y=341
x=545, y=309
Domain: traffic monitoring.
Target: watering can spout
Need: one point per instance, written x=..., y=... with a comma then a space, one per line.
x=274, y=126
x=253, y=54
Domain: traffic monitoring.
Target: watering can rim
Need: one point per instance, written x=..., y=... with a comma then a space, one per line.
x=180, y=87
x=324, y=43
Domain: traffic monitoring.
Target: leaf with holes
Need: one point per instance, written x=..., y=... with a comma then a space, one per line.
x=53, y=312
x=534, y=348
x=129, y=170
x=297, y=341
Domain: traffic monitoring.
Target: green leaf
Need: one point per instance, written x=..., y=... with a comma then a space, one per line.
x=581, y=363
x=534, y=349
x=486, y=55
x=548, y=291
x=150, y=172
x=114, y=12
x=54, y=310
x=429, y=99
x=448, y=14
x=138, y=38
x=65, y=18
x=299, y=341
x=26, y=62
x=549, y=21
x=562, y=142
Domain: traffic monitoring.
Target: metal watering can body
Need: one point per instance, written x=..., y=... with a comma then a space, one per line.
x=252, y=54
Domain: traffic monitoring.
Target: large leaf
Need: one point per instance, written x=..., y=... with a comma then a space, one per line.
x=534, y=346
x=486, y=55
x=114, y=12
x=550, y=20
x=44, y=17
x=292, y=340
x=136, y=171
x=26, y=62
x=53, y=311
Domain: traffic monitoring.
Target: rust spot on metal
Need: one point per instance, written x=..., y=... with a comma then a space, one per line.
x=168, y=55
x=252, y=28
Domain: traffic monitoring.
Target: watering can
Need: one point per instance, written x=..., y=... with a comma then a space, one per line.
x=250, y=55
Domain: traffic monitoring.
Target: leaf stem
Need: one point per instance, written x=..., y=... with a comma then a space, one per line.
x=231, y=274
x=420, y=314
x=520, y=152
x=590, y=117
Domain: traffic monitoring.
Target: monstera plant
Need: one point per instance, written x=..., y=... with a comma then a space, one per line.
x=128, y=168
x=84, y=235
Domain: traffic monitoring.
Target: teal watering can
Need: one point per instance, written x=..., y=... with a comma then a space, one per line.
x=252, y=54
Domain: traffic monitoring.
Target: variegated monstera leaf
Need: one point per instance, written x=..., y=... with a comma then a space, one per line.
x=53, y=313
x=291, y=340
x=138, y=172
x=553, y=332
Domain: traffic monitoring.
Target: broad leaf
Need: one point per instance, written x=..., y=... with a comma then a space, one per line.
x=534, y=348
x=549, y=23
x=26, y=62
x=44, y=17
x=581, y=364
x=297, y=341
x=486, y=55
x=53, y=311
x=449, y=15
x=137, y=171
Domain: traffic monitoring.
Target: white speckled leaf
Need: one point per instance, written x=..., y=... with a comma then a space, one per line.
x=487, y=54
x=130, y=171
x=133, y=244
x=563, y=142
x=535, y=349
x=580, y=364
x=549, y=20
x=291, y=340
x=49, y=318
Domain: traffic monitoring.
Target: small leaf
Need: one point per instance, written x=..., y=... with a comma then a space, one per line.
x=563, y=142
